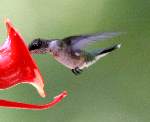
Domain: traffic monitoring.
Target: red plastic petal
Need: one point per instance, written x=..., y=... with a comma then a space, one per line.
x=16, y=64
x=19, y=105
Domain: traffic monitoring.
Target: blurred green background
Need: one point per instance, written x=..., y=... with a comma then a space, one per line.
x=115, y=89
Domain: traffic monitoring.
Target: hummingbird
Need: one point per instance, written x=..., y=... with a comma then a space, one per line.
x=70, y=51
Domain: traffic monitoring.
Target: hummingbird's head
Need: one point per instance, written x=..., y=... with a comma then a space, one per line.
x=38, y=46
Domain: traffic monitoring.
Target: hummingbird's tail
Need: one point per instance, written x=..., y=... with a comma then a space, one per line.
x=100, y=53
x=103, y=52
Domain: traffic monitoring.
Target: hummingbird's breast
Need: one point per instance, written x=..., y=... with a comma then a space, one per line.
x=70, y=61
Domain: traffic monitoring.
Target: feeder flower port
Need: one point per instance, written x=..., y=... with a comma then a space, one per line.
x=17, y=66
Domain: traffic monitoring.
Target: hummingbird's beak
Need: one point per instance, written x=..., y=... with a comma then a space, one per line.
x=29, y=47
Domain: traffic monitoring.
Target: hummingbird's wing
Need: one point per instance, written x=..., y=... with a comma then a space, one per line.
x=78, y=42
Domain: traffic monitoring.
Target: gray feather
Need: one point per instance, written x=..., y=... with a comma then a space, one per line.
x=105, y=50
x=78, y=42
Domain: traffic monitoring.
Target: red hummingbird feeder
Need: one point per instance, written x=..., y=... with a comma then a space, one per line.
x=17, y=66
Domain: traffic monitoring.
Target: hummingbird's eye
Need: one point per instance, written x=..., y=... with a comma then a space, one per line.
x=36, y=44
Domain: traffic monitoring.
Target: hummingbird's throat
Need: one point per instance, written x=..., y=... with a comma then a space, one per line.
x=55, y=54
